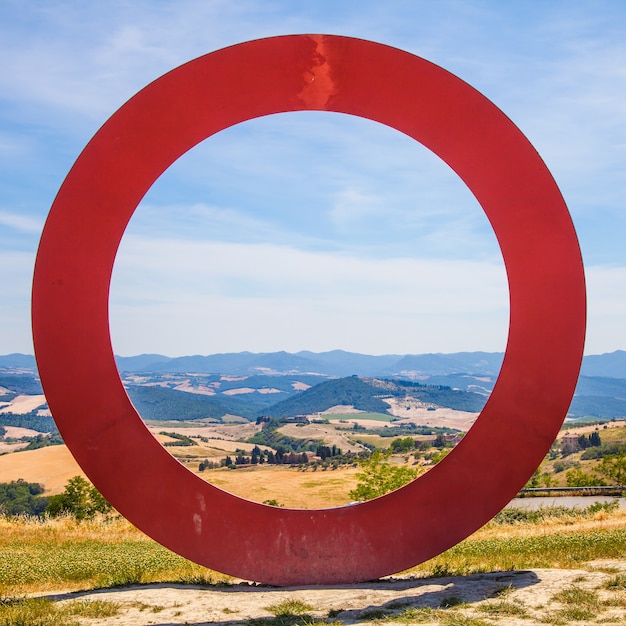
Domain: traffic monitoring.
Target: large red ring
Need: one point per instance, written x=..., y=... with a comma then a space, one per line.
x=294, y=73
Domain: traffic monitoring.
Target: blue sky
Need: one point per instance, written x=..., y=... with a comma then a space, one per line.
x=310, y=230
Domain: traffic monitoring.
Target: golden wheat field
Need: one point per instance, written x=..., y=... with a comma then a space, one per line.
x=54, y=466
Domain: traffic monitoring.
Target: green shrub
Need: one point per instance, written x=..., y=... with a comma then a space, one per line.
x=22, y=498
x=80, y=499
x=378, y=477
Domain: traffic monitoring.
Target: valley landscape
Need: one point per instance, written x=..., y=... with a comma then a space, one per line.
x=223, y=425
x=273, y=429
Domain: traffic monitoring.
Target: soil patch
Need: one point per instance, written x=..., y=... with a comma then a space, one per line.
x=514, y=597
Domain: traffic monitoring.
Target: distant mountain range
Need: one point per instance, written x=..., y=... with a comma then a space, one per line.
x=249, y=384
x=336, y=363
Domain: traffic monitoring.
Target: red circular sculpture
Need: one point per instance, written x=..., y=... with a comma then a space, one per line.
x=347, y=544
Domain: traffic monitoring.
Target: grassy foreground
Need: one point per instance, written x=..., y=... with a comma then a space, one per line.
x=63, y=554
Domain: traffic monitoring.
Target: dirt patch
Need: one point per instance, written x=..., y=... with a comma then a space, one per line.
x=514, y=597
x=234, y=431
x=194, y=431
x=227, y=432
x=238, y=391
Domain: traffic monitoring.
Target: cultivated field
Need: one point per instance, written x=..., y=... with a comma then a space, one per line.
x=329, y=435
x=288, y=486
x=52, y=467
x=566, y=568
x=23, y=404
x=462, y=420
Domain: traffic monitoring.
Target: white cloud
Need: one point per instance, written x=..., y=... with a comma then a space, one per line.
x=353, y=205
x=221, y=295
x=357, y=192
x=16, y=270
x=331, y=180
x=20, y=222
x=606, y=330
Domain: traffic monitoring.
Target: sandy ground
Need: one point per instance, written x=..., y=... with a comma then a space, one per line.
x=483, y=594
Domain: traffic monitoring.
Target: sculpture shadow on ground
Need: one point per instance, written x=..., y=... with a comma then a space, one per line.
x=353, y=603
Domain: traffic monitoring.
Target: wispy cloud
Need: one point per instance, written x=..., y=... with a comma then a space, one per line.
x=606, y=287
x=315, y=212
x=20, y=222
x=331, y=181
x=16, y=270
x=290, y=288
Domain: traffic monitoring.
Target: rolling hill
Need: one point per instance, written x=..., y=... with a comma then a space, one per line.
x=250, y=384
x=368, y=394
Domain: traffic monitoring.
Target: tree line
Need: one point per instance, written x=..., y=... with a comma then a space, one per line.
x=279, y=456
x=80, y=499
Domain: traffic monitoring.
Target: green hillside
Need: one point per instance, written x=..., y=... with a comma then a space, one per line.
x=368, y=394
x=157, y=403
x=352, y=391
x=19, y=384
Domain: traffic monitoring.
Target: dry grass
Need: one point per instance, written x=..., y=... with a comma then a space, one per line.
x=45, y=612
x=615, y=431
x=52, y=467
x=288, y=486
x=23, y=404
x=609, y=431
x=63, y=554
x=60, y=529
x=556, y=525
x=382, y=443
x=553, y=543
x=326, y=432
